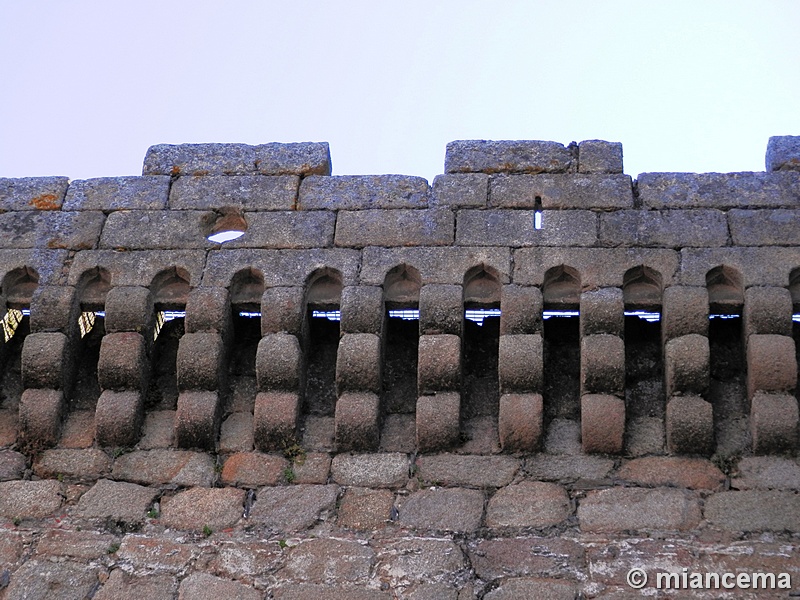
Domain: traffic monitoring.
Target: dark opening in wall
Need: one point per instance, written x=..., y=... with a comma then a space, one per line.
x=794, y=289
x=247, y=287
x=481, y=339
x=92, y=291
x=323, y=299
x=401, y=350
x=727, y=390
x=562, y=353
x=17, y=289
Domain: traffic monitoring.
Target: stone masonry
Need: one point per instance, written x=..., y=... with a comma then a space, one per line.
x=520, y=381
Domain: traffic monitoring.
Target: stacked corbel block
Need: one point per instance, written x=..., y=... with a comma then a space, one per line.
x=684, y=330
x=771, y=369
x=602, y=323
x=441, y=316
x=520, y=369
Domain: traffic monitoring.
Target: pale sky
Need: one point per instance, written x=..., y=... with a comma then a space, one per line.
x=87, y=86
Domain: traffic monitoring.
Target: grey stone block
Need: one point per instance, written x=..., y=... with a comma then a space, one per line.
x=521, y=363
x=528, y=504
x=520, y=310
x=690, y=425
x=441, y=309
x=53, y=308
x=624, y=509
x=40, y=413
x=684, y=311
x=287, y=230
x=754, y=510
x=758, y=266
x=293, y=508
x=118, y=418
x=783, y=153
x=199, y=362
x=438, y=421
x=602, y=364
x=358, y=363
x=515, y=228
x=767, y=310
x=602, y=423
x=602, y=311
x=275, y=420
x=467, y=471
x=362, y=309
x=152, y=230
x=45, y=361
x=686, y=364
x=197, y=419
x=122, y=364
x=361, y=228
x=598, y=156
x=116, y=500
x=247, y=192
x=295, y=158
x=774, y=422
x=668, y=229
x=443, y=509
x=439, y=363
x=129, y=308
x=282, y=310
x=32, y=193
x=51, y=229
x=776, y=227
x=386, y=470
x=118, y=193
x=279, y=363
x=461, y=190
x=582, y=191
x=358, y=192
x=208, y=310
x=771, y=364
x=485, y=156
x=520, y=422
x=137, y=268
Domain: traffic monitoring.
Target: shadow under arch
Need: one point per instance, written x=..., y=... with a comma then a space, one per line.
x=561, y=288
x=725, y=290
x=642, y=288
x=16, y=290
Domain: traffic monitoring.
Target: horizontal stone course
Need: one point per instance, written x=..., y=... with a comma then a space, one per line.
x=523, y=156
x=358, y=192
x=777, y=227
x=73, y=230
x=199, y=508
x=467, y=471
x=247, y=192
x=32, y=193
x=460, y=190
x=163, y=466
x=118, y=193
x=528, y=504
x=692, y=473
x=443, y=509
x=356, y=229
x=516, y=228
x=388, y=470
x=666, y=229
x=754, y=510
x=29, y=499
x=117, y=500
x=623, y=509
x=766, y=265
x=293, y=508
x=584, y=192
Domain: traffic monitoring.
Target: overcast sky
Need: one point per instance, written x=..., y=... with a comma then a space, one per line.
x=693, y=85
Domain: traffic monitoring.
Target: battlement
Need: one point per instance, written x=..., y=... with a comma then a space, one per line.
x=343, y=311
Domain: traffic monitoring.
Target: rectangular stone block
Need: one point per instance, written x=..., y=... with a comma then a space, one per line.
x=361, y=228
x=40, y=413
x=435, y=264
x=599, y=156
x=123, y=362
x=359, y=192
x=138, y=268
x=438, y=421
x=52, y=229
x=690, y=425
x=439, y=363
x=282, y=310
x=686, y=364
x=769, y=265
x=520, y=310
x=53, y=308
x=775, y=227
x=771, y=364
x=247, y=192
x=441, y=309
x=767, y=310
x=32, y=193
x=522, y=156
x=358, y=363
x=521, y=363
x=197, y=419
x=520, y=422
x=279, y=363
x=774, y=422
x=602, y=423
x=294, y=158
x=625, y=509
x=516, y=228
x=685, y=311
x=783, y=153
x=46, y=358
x=129, y=308
x=151, y=230
x=208, y=310
x=602, y=364
x=362, y=309
x=583, y=192
x=118, y=418
x=200, y=361
x=357, y=421
x=668, y=229
x=718, y=190
x=275, y=420
x=754, y=510
x=118, y=193
x=291, y=229
x=602, y=311
x=462, y=190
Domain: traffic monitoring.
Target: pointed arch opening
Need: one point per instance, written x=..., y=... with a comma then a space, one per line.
x=16, y=288
x=92, y=289
x=246, y=289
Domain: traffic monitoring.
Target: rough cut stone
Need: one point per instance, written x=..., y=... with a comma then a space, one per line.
x=81, y=545
x=121, y=585
x=362, y=309
x=253, y=469
x=89, y=463
x=358, y=363
x=118, y=193
x=42, y=580
x=520, y=310
x=417, y=560
x=438, y=419
x=754, y=510
x=528, y=504
x=443, y=509
x=549, y=192
x=767, y=310
x=29, y=499
x=690, y=425
x=771, y=366
x=783, y=153
x=179, y=467
x=441, y=309
x=776, y=227
x=44, y=356
x=469, y=471
x=516, y=228
x=568, y=468
x=489, y=156
x=520, y=422
x=439, y=363
x=602, y=311
x=318, y=591
x=358, y=192
x=462, y=190
x=599, y=156
x=154, y=553
x=692, y=473
x=247, y=192
x=602, y=423
x=623, y=509
x=365, y=509
x=356, y=229
x=531, y=555
x=667, y=229
x=294, y=507
x=12, y=465
x=388, y=470
x=328, y=561
x=203, y=586
x=287, y=229
x=521, y=363
x=198, y=508
x=686, y=364
x=767, y=472
x=357, y=421
x=40, y=415
x=116, y=500
x=32, y=193
x=774, y=422
x=523, y=587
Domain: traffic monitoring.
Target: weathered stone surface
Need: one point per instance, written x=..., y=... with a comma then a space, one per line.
x=365, y=509
x=774, y=422
x=44, y=356
x=690, y=425
x=294, y=507
x=767, y=472
x=197, y=508
x=718, y=190
x=89, y=463
x=362, y=309
x=51, y=229
x=521, y=362
x=197, y=419
x=602, y=311
x=529, y=587
x=770, y=364
x=389, y=470
x=179, y=467
x=686, y=364
x=203, y=586
x=154, y=553
x=159, y=426
x=330, y=561
x=754, y=510
x=279, y=362
x=443, y=509
x=9, y=423
x=116, y=500
x=439, y=363
x=123, y=361
x=253, y=469
x=767, y=310
x=602, y=423
x=165, y=230
x=12, y=465
x=783, y=153
x=357, y=421
x=246, y=560
x=129, y=308
x=247, y=192
x=287, y=229
x=462, y=190
x=40, y=415
x=441, y=309
x=767, y=265
x=520, y=422
x=42, y=580
x=524, y=156
x=358, y=192
x=528, y=504
x=29, y=499
x=296, y=158
x=199, y=361
x=599, y=156
x=118, y=418
x=438, y=421
x=52, y=309
x=318, y=591
x=356, y=229
x=81, y=545
x=236, y=433
x=692, y=473
x=684, y=311
x=467, y=471
x=602, y=364
x=137, y=267
x=121, y=585
x=282, y=310
x=668, y=229
x=582, y=192
x=275, y=419
x=515, y=228
x=418, y=560
x=520, y=310
x=776, y=227
x=32, y=193
x=623, y=509
x=116, y=193
x=358, y=363
x=567, y=468
x=541, y=556
x=314, y=468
